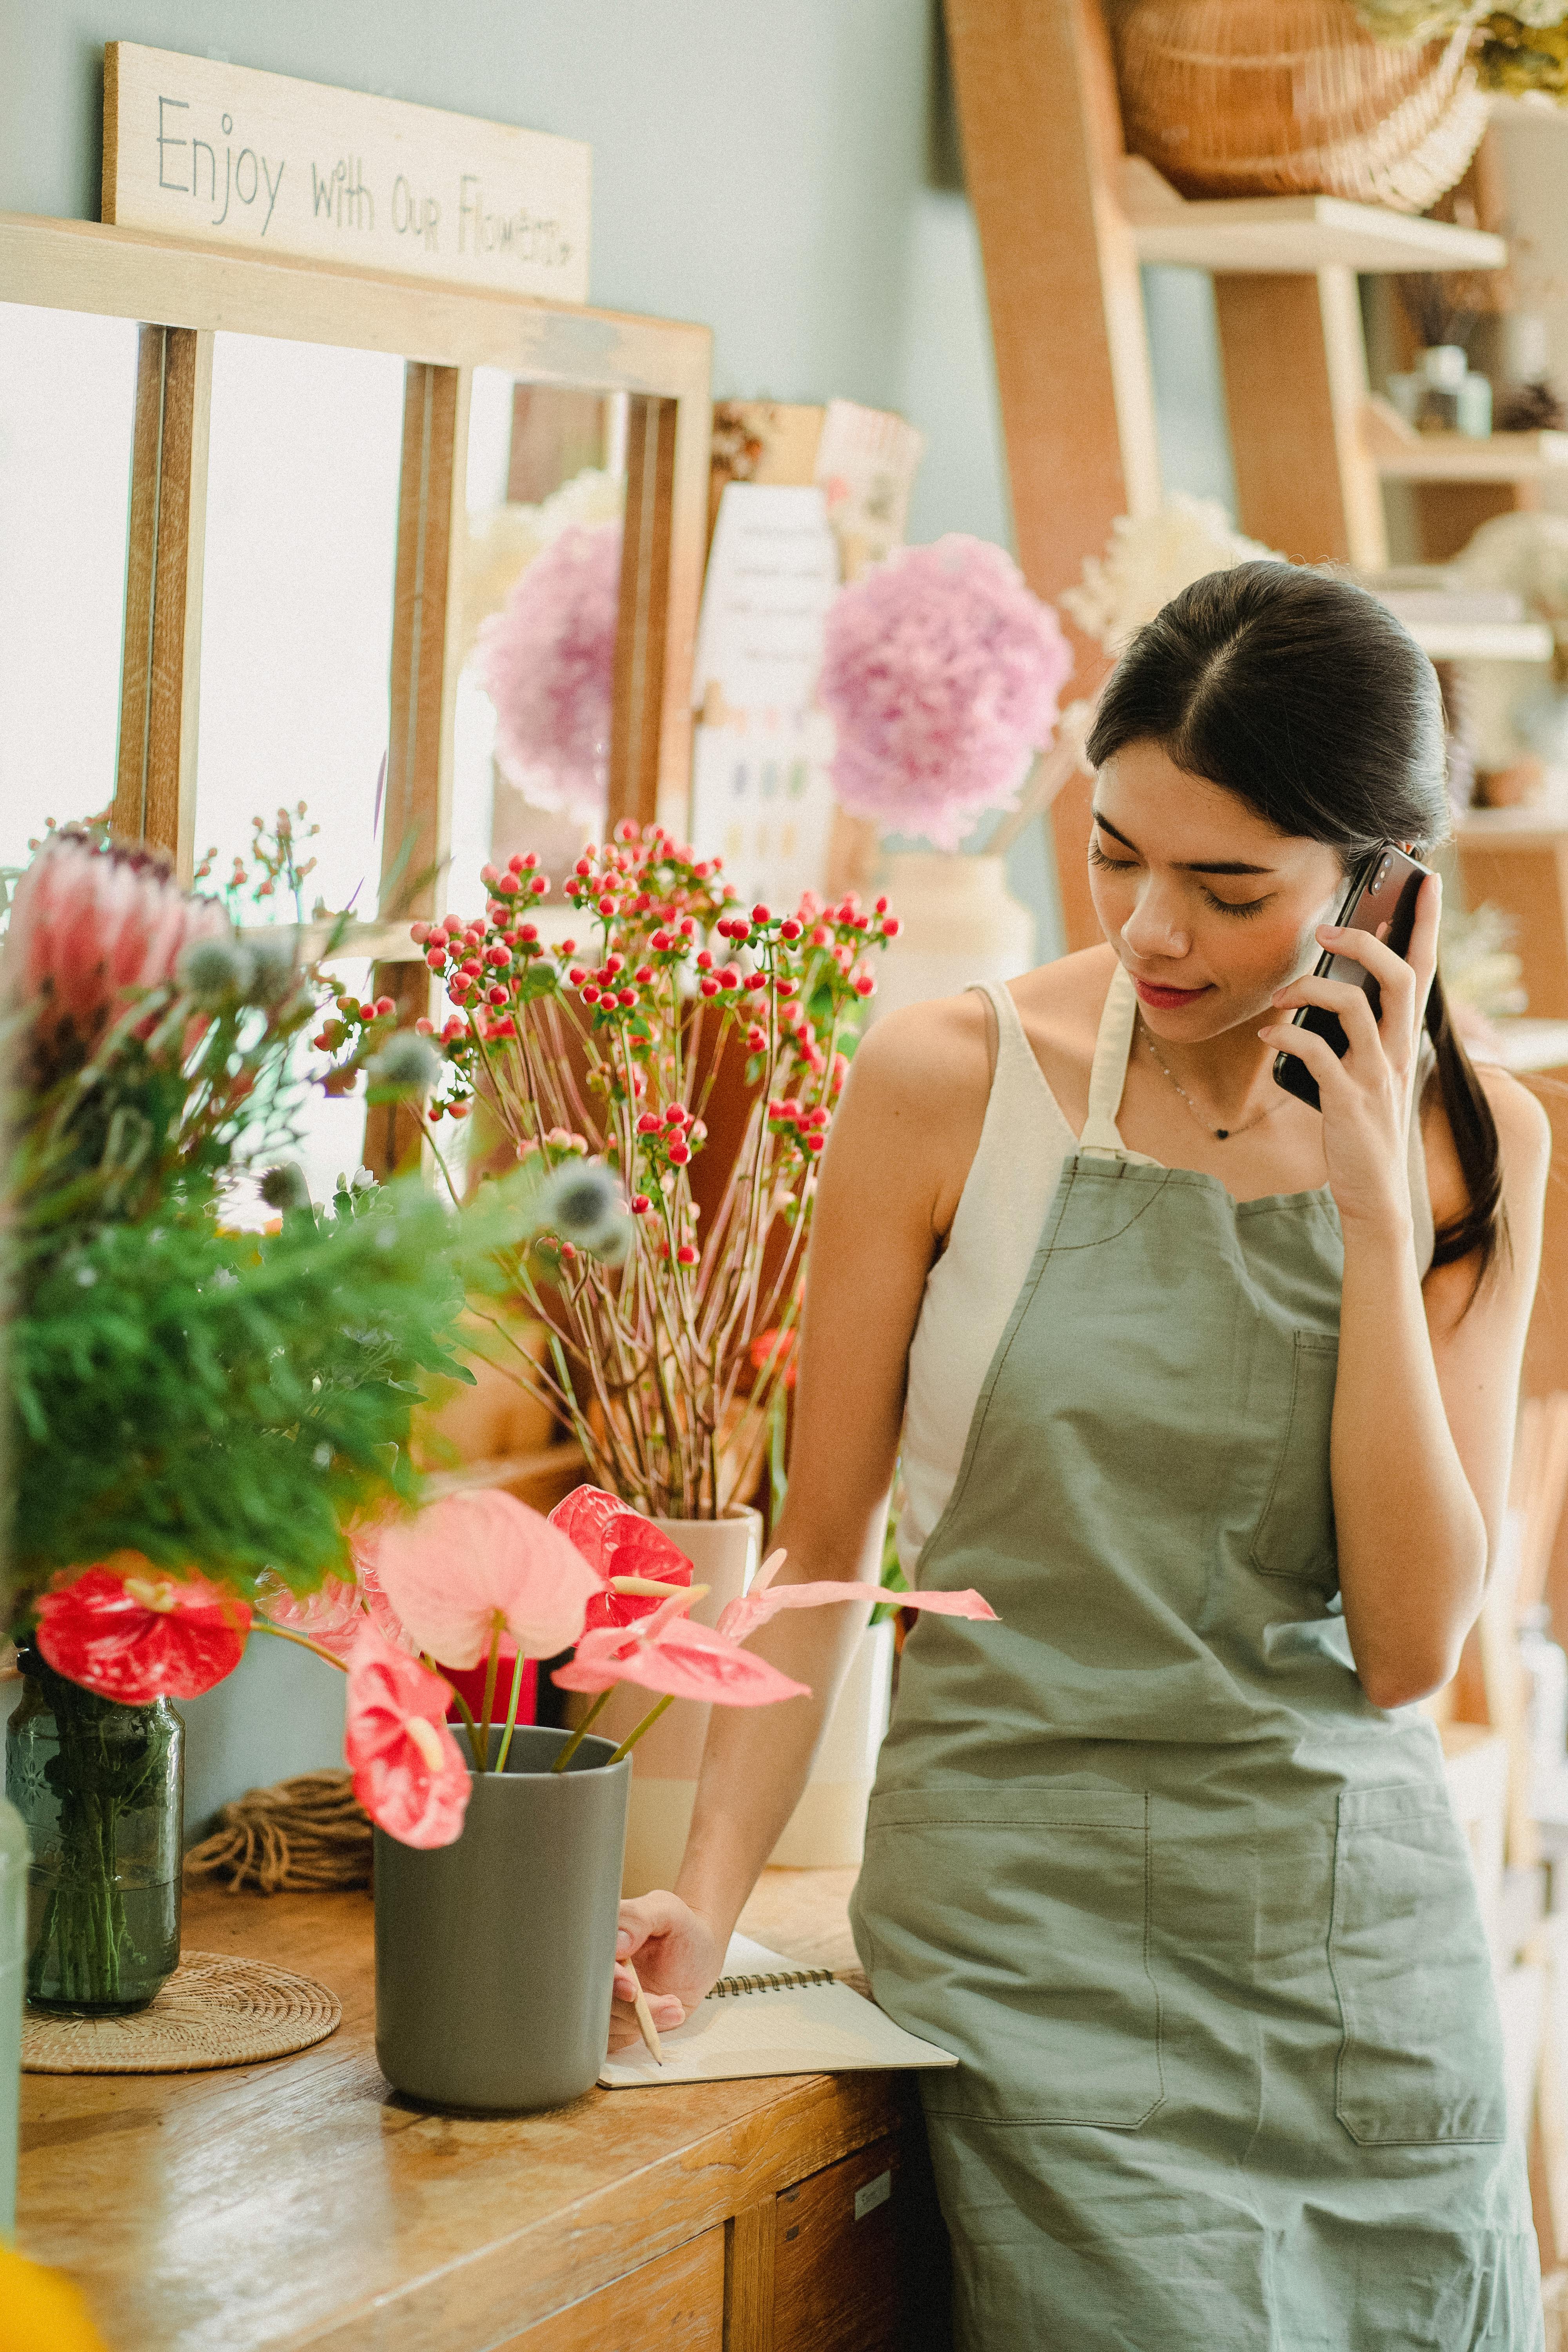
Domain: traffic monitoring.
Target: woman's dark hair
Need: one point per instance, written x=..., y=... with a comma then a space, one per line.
x=1305, y=697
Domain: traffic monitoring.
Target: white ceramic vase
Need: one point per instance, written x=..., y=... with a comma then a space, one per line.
x=959, y=924
x=724, y=1555
x=826, y=1830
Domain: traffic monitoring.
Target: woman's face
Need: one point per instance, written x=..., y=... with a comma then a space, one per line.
x=1209, y=909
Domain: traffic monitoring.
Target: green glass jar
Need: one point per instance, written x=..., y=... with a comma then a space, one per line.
x=100, y=1788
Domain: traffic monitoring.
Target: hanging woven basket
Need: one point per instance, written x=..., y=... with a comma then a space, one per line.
x=1255, y=98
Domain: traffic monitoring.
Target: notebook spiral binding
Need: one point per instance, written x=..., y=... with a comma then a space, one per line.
x=783, y=1980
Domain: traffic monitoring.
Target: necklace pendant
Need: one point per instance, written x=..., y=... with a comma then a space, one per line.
x=1220, y=1134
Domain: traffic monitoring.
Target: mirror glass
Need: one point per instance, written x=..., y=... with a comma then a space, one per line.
x=67, y=397
x=302, y=486
x=540, y=589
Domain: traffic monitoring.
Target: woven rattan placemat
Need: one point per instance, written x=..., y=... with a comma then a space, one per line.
x=214, y=2010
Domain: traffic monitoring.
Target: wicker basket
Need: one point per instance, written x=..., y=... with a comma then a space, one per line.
x=1254, y=98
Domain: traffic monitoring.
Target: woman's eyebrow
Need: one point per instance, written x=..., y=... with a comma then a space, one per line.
x=1186, y=865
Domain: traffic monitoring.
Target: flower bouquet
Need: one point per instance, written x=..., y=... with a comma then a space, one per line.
x=191, y=1407
x=499, y=1855
x=596, y=1064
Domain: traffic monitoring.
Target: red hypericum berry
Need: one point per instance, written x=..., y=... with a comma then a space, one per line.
x=675, y=1114
x=731, y=976
x=881, y=906
x=813, y=1143
x=607, y=905
x=419, y=933
x=614, y=963
x=497, y=955
x=789, y=928
x=890, y=926
x=527, y=933
x=707, y=987
x=424, y=1028
x=789, y=1108
x=755, y=1040
x=820, y=935
x=687, y=927
x=649, y=1123
x=458, y=1110
x=704, y=960
x=576, y=975
x=436, y=957
x=643, y=975
x=569, y=1251
x=642, y=902
x=628, y=997
x=740, y=929
x=679, y=1151
x=584, y=866
x=590, y=995
x=435, y=1111
x=508, y=885
x=686, y=1254
x=785, y=989
x=775, y=1110
x=662, y=942
x=568, y=947
x=640, y=1205
x=496, y=995
x=761, y=915
x=755, y=979
x=473, y=967
x=864, y=985
x=539, y=887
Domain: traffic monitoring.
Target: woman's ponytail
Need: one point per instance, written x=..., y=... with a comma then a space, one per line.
x=1482, y=1225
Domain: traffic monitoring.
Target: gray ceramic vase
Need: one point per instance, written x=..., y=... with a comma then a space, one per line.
x=494, y=1956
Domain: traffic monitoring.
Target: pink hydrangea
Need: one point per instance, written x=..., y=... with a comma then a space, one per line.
x=942, y=669
x=547, y=661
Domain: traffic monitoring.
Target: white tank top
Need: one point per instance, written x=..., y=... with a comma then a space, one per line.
x=973, y=1287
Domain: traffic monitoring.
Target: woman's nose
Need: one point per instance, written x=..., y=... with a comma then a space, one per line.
x=1153, y=928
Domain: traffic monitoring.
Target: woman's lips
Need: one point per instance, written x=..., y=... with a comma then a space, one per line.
x=1166, y=1000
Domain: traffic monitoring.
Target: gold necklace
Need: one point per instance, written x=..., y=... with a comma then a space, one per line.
x=1220, y=1134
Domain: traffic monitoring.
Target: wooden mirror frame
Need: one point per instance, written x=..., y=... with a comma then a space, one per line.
x=194, y=292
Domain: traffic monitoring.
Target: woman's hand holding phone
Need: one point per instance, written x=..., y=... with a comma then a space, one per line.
x=1366, y=1096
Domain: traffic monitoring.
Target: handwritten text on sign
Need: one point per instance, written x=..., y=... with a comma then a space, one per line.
x=236, y=157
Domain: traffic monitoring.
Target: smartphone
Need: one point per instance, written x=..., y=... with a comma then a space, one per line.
x=1381, y=900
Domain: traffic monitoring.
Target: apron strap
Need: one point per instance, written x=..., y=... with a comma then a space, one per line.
x=1109, y=1074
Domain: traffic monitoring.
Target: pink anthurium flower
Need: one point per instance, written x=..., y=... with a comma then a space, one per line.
x=742, y=1616
x=617, y=1541
x=331, y=1616
x=128, y=1633
x=408, y=1770
x=667, y=1652
x=472, y=1566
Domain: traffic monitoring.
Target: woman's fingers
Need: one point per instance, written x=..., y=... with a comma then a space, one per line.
x=1314, y=1051
x=1338, y=996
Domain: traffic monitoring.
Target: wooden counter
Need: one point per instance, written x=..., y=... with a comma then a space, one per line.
x=301, y=2203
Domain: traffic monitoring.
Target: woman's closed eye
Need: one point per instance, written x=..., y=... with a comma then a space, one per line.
x=1096, y=856
x=1238, y=906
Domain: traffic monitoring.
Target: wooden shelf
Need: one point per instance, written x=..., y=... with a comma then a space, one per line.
x=1403, y=455
x=1512, y=828
x=1285, y=235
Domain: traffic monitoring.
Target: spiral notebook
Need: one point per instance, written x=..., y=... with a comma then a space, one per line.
x=765, y=2016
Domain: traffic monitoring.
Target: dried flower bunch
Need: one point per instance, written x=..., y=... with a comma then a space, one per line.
x=1150, y=558
x=1518, y=49
x=547, y=662
x=598, y=1062
x=940, y=669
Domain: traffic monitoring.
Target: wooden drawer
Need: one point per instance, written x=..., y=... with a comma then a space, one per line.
x=675, y=2304
x=835, y=2256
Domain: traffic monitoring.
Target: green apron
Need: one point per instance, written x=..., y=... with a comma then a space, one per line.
x=1194, y=1914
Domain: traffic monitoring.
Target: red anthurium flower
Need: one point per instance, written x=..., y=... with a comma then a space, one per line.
x=668, y=1653
x=470, y=1563
x=408, y=1770
x=741, y=1617
x=616, y=1541
x=128, y=1633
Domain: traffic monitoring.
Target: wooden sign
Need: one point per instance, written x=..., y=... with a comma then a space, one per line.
x=234, y=157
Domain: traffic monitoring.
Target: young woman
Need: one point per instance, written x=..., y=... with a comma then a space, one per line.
x=1212, y=1396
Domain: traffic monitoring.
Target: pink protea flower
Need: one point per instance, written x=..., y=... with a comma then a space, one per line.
x=88, y=925
x=470, y=1566
x=617, y=1541
x=408, y=1770
x=128, y=1633
x=941, y=668
x=547, y=661
x=667, y=1652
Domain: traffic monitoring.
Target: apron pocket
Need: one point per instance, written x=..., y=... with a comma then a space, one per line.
x=1010, y=1923
x=1421, y=2061
x=1295, y=1536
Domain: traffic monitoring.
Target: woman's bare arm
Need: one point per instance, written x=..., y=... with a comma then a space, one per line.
x=900, y=1149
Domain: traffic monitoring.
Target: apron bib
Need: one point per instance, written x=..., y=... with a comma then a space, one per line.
x=1195, y=1917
